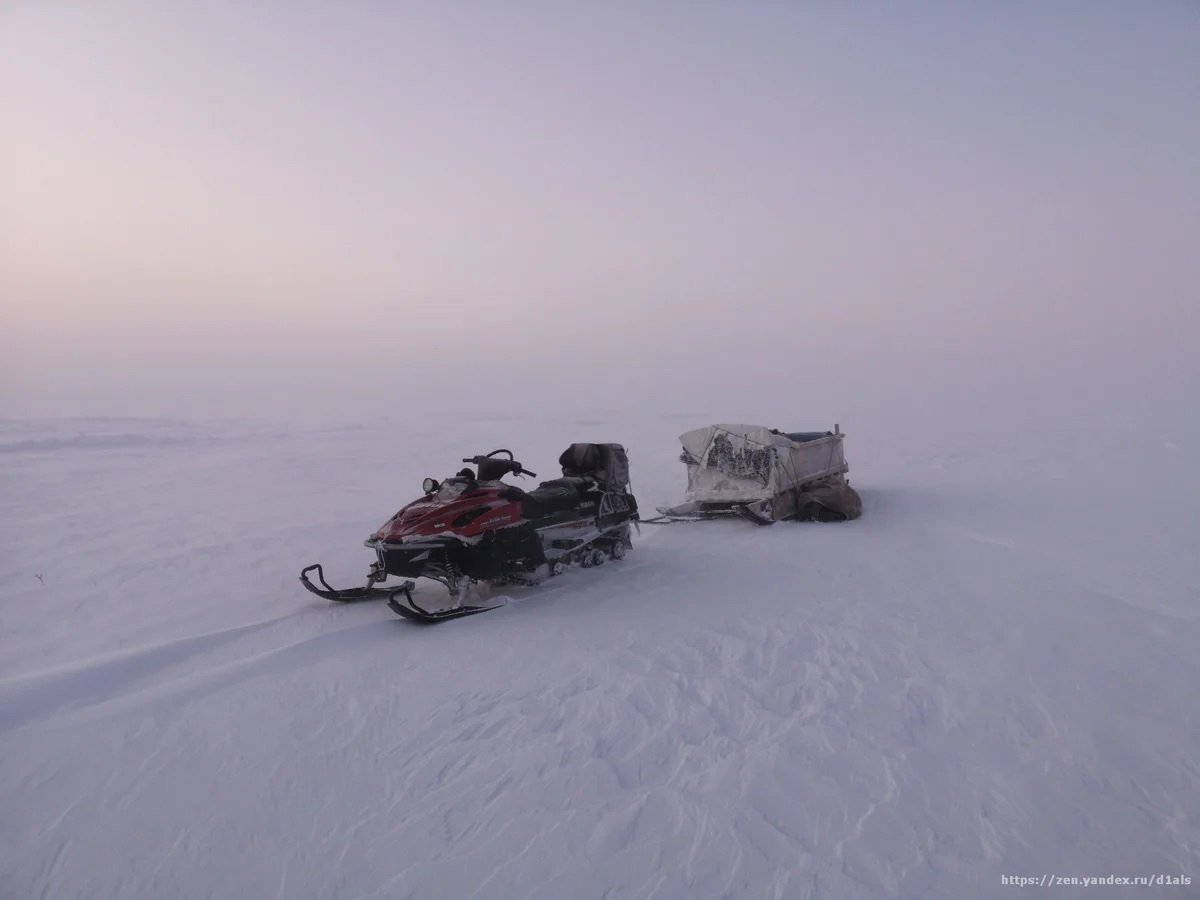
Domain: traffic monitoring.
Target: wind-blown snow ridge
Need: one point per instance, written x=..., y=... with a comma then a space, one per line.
x=98, y=680
x=93, y=442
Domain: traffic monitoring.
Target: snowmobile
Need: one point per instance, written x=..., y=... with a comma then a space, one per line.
x=764, y=475
x=472, y=529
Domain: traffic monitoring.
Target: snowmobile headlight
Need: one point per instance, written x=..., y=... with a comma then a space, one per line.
x=429, y=485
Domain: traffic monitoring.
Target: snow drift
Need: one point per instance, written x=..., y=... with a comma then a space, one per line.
x=992, y=672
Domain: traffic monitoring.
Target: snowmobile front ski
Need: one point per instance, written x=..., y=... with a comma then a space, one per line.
x=415, y=613
x=350, y=595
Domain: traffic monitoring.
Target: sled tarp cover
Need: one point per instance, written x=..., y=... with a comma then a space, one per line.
x=744, y=463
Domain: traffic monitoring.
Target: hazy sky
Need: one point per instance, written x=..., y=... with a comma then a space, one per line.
x=269, y=207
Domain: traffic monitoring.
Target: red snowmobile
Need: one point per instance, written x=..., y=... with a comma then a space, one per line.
x=474, y=529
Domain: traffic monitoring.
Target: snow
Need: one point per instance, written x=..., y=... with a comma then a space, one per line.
x=993, y=672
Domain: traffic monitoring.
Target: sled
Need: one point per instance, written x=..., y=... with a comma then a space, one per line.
x=763, y=475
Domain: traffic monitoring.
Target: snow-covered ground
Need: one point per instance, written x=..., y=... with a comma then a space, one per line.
x=992, y=673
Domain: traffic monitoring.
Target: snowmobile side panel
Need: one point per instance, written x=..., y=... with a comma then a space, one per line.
x=515, y=548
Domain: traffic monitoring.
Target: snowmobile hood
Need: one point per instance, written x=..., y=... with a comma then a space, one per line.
x=468, y=515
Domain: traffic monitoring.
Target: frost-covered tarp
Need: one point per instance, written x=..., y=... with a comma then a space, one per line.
x=741, y=463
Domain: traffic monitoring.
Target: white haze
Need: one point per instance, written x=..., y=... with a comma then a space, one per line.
x=802, y=213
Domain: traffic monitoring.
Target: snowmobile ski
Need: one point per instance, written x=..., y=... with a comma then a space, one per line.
x=414, y=613
x=348, y=595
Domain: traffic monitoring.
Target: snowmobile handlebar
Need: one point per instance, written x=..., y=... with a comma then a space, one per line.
x=510, y=464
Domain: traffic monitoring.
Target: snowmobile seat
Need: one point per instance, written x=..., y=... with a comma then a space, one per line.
x=553, y=496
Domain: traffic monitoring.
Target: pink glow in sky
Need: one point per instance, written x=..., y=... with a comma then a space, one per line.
x=274, y=207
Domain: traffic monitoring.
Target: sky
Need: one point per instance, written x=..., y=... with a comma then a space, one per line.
x=337, y=210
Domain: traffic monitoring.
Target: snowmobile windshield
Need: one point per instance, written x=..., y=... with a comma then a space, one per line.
x=452, y=489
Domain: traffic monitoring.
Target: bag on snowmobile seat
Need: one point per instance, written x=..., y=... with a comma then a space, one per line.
x=606, y=463
x=580, y=459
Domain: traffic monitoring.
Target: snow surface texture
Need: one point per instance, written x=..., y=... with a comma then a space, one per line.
x=993, y=672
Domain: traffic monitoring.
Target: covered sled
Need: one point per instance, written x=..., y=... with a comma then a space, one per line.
x=765, y=475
